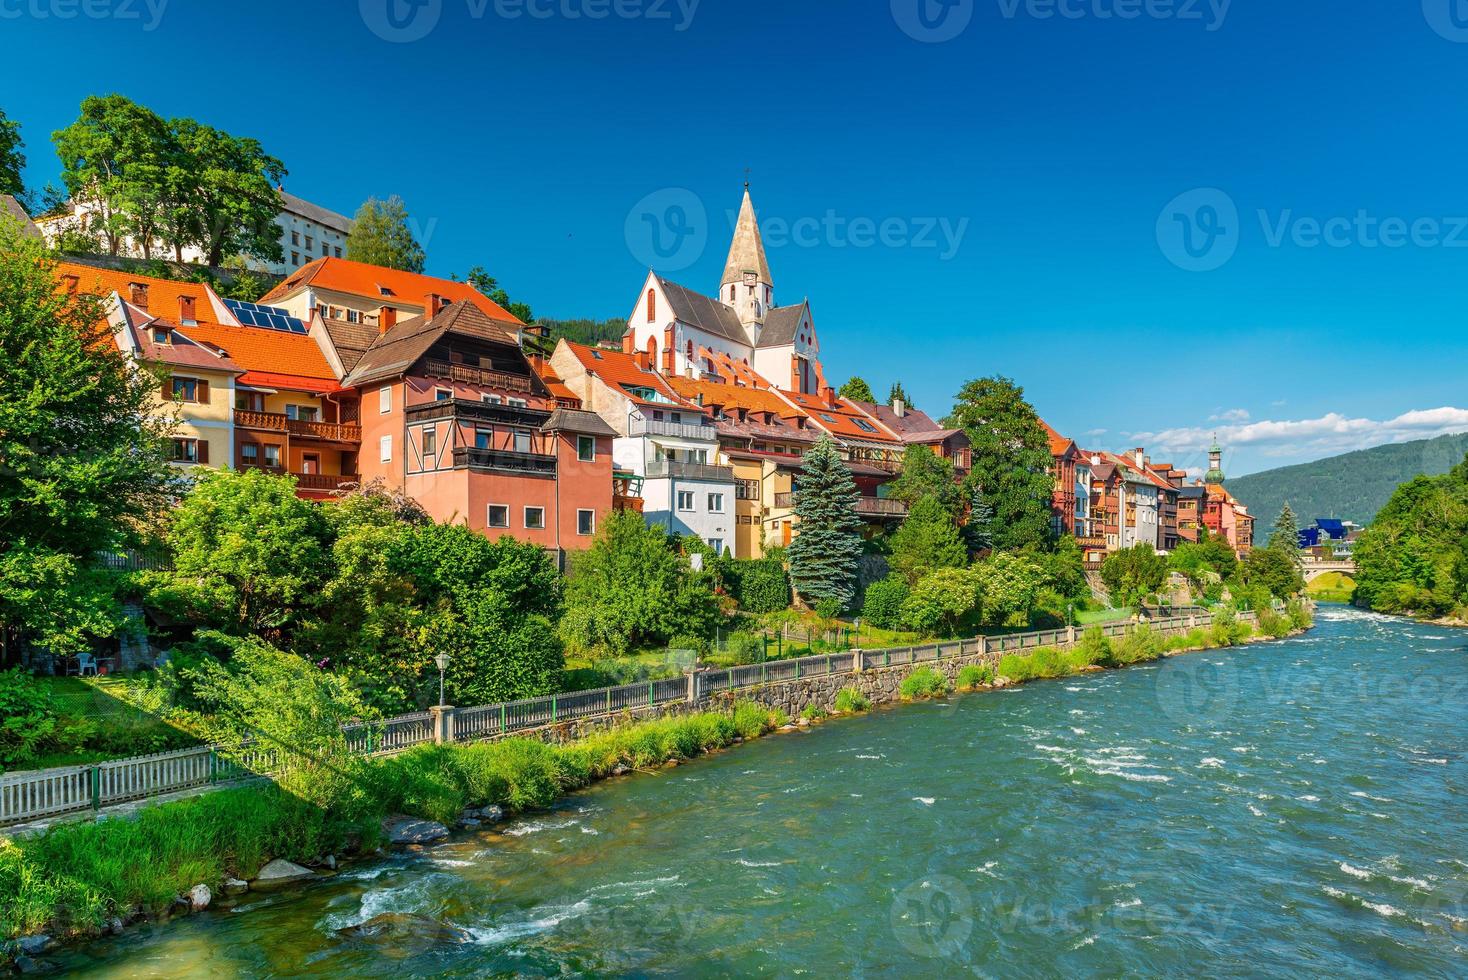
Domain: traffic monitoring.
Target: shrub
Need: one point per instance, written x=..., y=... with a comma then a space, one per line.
x=1301, y=617
x=762, y=586
x=686, y=641
x=973, y=675
x=27, y=718
x=884, y=601
x=1094, y=646
x=850, y=700
x=923, y=683
x=1049, y=663
x=1274, y=625
x=745, y=648
x=813, y=712
x=1138, y=645
x=1224, y=628
x=752, y=720
x=828, y=608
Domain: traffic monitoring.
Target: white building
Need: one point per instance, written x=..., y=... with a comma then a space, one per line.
x=307, y=232
x=665, y=440
x=680, y=328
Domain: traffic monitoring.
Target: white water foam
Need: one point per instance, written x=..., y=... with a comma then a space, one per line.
x=924, y=800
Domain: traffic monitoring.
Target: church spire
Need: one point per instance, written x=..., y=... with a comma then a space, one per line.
x=746, y=254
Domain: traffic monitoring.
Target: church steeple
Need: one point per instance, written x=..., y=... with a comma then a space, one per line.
x=1215, y=463
x=747, y=285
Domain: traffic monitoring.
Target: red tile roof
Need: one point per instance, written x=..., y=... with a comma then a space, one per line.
x=840, y=419
x=621, y=371
x=1058, y=443
x=163, y=294
x=370, y=281
x=271, y=358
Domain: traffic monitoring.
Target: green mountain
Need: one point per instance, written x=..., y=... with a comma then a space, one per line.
x=1354, y=486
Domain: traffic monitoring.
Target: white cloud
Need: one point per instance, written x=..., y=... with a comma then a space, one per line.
x=1232, y=415
x=1330, y=434
x=1096, y=432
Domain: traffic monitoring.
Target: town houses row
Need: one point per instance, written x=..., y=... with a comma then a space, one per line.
x=347, y=373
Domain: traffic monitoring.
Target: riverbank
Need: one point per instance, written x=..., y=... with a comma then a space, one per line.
x=82, y=879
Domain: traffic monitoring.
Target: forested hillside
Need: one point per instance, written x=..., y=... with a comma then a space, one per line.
x=585, y=331
x=1354, y=486
x=1414, y=558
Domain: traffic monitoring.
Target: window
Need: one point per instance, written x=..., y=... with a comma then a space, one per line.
x=272, y=456
x=295, y=238
x=295, y=258
x=310, y=463
x=864, y=425
x=249, y=401
x=717, y=544
x=442, y=394
x=384, y=449
x=160, y=335
x=490, y=399
x=652, y=306
x=522, y=441
x=482, y=438
x=303, y=413
x=430, y=443
x=186, y=450
x=353, y=316
x=716, y=503
x=746, y=490
x=586, y=448
x=250, y=454
x=498, y=515
x=586, y=522
x=337, y=251
x=384, y=400
x=535, y=518
x=187, y=390
x=519, y=403
x=310, y=243
x=685, y=500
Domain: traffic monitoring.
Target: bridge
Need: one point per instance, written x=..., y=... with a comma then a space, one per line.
x=1313, y=568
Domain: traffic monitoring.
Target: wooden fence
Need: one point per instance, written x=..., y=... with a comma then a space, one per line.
x=44, y=793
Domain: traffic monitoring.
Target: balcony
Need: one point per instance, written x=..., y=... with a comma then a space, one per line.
x=677, y=430
x=663, y=469
x=469, y=374
x=865, y=506
x=505, y=461
x=314, y=482
x=478, y=411
x=277, y=422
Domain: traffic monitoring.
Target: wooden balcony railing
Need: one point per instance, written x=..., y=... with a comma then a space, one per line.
x=278, y=422
x=478, y=411
x=537, y=464
x=477, y=375
x=309, y=481
x=865, y=506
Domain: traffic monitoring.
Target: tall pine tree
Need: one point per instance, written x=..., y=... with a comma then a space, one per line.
x=896, y=392
x=826, y=552
x=1286, y=534
x=978, y=529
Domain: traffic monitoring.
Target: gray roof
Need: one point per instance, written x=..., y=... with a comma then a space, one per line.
x=574, y=420
x=314, y=212
x=395, y=352
x=703, y=312
x=351, y=340
x=12, y=207
x=780, y=325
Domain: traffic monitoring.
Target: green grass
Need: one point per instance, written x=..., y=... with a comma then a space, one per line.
x=923, y=683
x=850, y=700
x=1331, y=587
x=1086, y=617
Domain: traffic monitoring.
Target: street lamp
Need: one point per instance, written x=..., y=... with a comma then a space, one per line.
x=442, y=660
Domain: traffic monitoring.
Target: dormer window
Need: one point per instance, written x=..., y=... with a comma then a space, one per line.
x=384, y=291
x=161, y=335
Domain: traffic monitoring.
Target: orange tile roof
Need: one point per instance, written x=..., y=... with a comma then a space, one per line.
x=1058, y=442
x=620, y=370
x=553, y=383
x=163, y=294
x=291, y=360
x=361, y=279
x=734, y=396
x=840, y=419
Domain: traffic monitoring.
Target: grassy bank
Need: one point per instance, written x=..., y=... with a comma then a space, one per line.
x=74, y=878
x=1332, y=587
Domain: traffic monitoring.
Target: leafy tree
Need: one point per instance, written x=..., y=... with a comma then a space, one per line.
x=490, y=287
x=896, y=392
x=1008, y=587
x=761, y=585
x=1275, y=570
x=1414, y=556
x=826, y=552
x=113, y=159
x=380, y=235
x=83, y=462
x=228, y=188
x=857, y=390
x=884, y=602
x=943, y=599
x=926, y=474
x=632, y=588
x=1134, y=573
x=1011, y=459
x=927, y=540
x=1286, y=534
x=12, y=158
x=1063, y=569
x=978, y=526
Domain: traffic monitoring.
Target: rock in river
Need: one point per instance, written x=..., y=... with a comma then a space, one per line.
x=281, y=872
x=409, y=830
x=393, y=928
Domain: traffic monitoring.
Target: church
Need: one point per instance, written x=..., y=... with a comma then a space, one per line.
x=692, y=335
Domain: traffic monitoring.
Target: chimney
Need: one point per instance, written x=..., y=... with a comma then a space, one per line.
x=138, y=294
x=73, y=283
x=1140, y=455
x=432, y=304
x=828, y=395
x=628, y=343
x=387, y=318
x=186, y=311
x=643, y=359
x=899, y=408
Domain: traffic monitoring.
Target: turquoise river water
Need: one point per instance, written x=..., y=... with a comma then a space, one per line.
x=1288, y=808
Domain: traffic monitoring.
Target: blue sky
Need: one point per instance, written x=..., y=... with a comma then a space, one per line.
x=1114, y=210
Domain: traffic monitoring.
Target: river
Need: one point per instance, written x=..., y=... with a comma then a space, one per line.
x=1287, y=808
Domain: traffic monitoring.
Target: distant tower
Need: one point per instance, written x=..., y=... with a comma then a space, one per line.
x=1215, y=463
x=747, y=285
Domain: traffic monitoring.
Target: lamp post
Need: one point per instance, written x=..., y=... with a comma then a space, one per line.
x=442, y=661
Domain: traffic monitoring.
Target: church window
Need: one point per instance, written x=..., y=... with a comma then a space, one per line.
x=652, y=306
